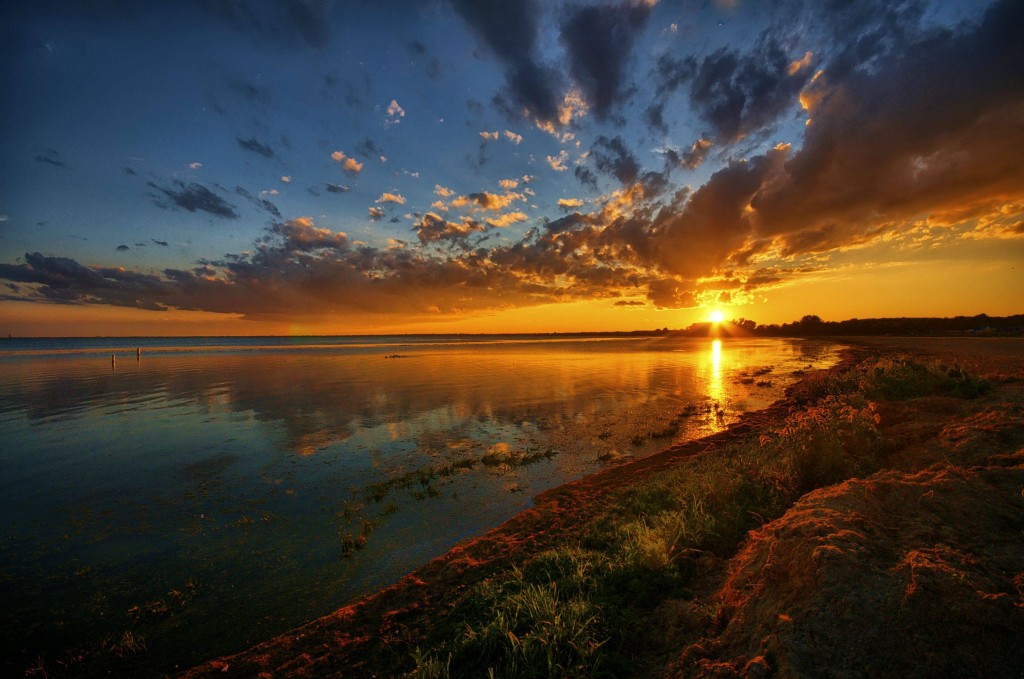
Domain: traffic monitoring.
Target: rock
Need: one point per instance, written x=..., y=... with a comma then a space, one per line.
x=901, y=574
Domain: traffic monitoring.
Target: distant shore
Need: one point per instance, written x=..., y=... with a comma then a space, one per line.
x=898, y=586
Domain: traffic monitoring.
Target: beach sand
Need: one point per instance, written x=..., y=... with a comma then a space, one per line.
x=916, y=570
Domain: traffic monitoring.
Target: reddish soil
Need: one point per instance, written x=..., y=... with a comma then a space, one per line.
x=918, y=570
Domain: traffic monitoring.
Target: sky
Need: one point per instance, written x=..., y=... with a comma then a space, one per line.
x=314, y=167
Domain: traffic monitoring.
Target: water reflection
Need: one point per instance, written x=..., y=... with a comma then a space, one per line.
x=248, y=473
x=716, y=389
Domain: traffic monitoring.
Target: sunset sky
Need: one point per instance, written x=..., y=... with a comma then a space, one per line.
x=307, y=166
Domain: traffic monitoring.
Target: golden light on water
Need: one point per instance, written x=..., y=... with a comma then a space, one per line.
x=716, y=389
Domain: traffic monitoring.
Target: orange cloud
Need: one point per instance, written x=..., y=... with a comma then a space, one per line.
x=391, y=198
x=506, y=219
x=347, y=163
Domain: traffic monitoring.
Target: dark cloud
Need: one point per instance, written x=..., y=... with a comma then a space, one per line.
x=612, y=157
x=598, y=40
x=195, y=197
x=586, y=176
x=868, y=156
x=161, y=243
x=262, y=203
x=671, y=73
x=129, y=171
x=368, y=149
x=335, y=188
x=431, y=228
x=867, y=33
x=654, y=116
x=739, y=94
x=510, y=30
x=692, y=158
x=254, y=145
x=629, y=303
x=59, y=279
x=50, y=157
x=122, y=248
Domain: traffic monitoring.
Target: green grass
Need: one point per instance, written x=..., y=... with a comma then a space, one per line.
x=589, y=607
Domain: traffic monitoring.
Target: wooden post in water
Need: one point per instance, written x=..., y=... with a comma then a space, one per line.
x=113, y=360
x=138, y=353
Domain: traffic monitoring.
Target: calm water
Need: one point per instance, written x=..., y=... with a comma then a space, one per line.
x=216, y=492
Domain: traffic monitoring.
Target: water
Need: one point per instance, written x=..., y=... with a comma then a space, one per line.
x=217, y=491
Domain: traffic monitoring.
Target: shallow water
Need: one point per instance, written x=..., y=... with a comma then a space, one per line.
x=211, y=494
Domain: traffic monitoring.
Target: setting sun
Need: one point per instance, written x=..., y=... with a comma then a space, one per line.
x=717, y=316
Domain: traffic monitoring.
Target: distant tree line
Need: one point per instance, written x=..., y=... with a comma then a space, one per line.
x=981, y=325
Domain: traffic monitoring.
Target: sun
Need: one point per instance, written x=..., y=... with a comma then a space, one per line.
x=717, y=316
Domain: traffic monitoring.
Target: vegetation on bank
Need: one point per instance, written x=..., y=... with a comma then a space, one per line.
x=622, y=592
x=810, y=325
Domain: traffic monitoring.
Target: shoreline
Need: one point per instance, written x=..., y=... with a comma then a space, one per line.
x=376, y=634
x=352, y=634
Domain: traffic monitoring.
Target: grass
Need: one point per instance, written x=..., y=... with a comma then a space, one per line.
x=589, y=607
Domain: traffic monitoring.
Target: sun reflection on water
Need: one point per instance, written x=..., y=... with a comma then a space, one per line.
x=716, y=386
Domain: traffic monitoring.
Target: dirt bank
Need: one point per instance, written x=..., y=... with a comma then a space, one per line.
x=918, y=565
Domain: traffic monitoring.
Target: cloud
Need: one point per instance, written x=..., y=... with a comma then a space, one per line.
x=391, y=198
x=368, y=148
x=513, y=137
x=493, y=201
x=350, y=165
x=195, y=198
x=508, y=184
x=286, y=179
x=506, y=219
x=303, y=235
x=252, y=144
x=557, y=163
x=510, y=29
x=442, y=191
x=490, y=136
x=867, y=160
x=433, y=228
x=740, y=94
x=586, y=176
x=693, y=158
x=161, y=243
x=395, y=114
x=335, y=188
x=262, y=203
x=375, y=213
x=598, y=40
x=570, y=203
x=50, y=157
x=612, y=157
x=122, y=248
x=192, y=166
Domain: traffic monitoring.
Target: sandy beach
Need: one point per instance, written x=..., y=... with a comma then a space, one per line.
x=913, y=569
